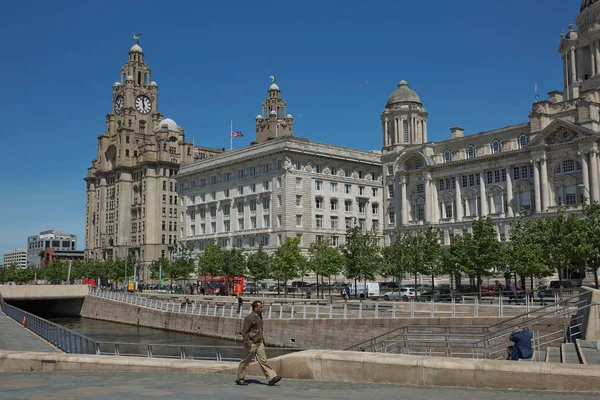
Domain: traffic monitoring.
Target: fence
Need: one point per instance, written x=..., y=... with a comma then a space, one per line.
x=73, y=342
x=550, y=325
x=281, y=308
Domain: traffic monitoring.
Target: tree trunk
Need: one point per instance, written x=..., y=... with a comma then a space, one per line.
x=478, y=286
x=285, y=287
x=432, y=281
x=278, y=294
x=596, y=277
x=355, y=287
x=329, y=278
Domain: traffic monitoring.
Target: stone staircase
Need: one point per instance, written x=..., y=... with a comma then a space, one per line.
x=585, y=352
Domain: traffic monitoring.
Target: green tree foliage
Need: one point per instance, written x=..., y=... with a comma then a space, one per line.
x=587, y=239
x=325, y=260
x=258, y=266
x=362, y=255
x=557, y=234
x=287, y=260
x=234, y=264
x=482, y=249
x=394, y=256
x=210, y=261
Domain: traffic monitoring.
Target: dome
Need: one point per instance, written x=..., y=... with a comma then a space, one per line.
x=169, y=124
x=153, y=83
x=289, y=116
x=274, y=87
x=136, y=48
x=403, y=95
x=116, y=84
x=586, y=3
x=258, y=116
x=273, y=112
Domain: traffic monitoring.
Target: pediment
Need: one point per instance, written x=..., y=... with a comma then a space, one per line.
x=559, y=132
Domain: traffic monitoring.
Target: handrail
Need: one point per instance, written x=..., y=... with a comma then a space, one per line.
x=73, y=342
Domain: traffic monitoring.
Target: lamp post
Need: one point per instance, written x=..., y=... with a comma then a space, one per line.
x=581, y=185
x=125, y=280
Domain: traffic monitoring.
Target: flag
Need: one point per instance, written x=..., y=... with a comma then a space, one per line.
x=197, y=149
x=236, y=134
x=278, y=122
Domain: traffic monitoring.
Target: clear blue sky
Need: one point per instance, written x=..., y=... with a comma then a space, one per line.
x=473, y=63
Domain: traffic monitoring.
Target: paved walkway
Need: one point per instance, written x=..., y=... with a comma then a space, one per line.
x=100, y=385
x=14, y=337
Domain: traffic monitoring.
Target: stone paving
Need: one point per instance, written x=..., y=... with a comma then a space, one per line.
x=103, y=385
x=14, y=337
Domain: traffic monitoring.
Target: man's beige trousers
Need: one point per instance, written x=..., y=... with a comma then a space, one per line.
x=258, y=351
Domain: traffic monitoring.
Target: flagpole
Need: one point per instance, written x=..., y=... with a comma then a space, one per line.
x=231, y=136
x=276, y=126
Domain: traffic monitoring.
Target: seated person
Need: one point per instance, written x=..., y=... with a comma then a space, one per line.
x=522, y=344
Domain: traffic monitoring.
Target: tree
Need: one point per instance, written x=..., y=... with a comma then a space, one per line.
x=325, y=260
x=362, y=255
x=234, y=264
x=210, y=261
x=287, y=259
x=587, y=235
x=258, y=266
x=557, y=234
x=55, y=270
x=394, y=255
x=484, y=250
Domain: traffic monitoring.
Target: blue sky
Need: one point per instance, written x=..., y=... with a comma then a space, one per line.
x=473, y=63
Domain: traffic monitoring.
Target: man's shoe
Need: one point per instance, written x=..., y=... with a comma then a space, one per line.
x=274, y=380
x=241, y=382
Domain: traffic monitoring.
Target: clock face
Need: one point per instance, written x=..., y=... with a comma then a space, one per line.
x=119, y=105
x=143, y=104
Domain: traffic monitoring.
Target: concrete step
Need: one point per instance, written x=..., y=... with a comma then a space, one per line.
x=553, y=354
x=569, y=354
x=589, y=351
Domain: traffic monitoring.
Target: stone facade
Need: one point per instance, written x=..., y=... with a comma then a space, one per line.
x=532, y=167
x=284, y=187
x=131, y=197
x=53, y=239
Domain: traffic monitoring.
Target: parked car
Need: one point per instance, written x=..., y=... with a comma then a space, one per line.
x=404, y=293
x=440, y=294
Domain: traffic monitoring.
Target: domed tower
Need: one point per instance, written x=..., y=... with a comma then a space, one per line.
x=404, y=119
x=580, y=50
x=274, y=121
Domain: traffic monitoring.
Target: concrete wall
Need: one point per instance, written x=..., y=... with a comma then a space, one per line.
x=298, y=333
x=591, y=320
x=35, y=292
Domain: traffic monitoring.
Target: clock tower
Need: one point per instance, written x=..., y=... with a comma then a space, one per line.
x=131, y=198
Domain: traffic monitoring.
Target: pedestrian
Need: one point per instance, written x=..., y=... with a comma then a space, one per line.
x=347, y=292
x=522, y=344
x=240, y=302
x=254, y=346
x=542, y=294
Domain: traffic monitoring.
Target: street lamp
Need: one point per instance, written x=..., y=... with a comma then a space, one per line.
x=581, y=185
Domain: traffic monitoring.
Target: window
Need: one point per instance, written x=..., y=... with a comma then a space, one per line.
x=333, y=187
x=390, y=191
x=266, y=185
x=298, y=182
x=213, y=212
x=348, y=205
x=390, y=169
x=334, y=222
x=240, y=190
x=335, y=240
x=362, y=224
x=226, y=226
x=318, y=185
x=319, y=203
x=213, y=227
x=240, y=208
x=375, y=209
x=252, y=222
x=213, y=195
x=420, y=188
x=202, y=213
x=374, y=192
x=495, y=146
x=253, y=188
x=279, y=221
x=318, y=168
x=226, y=209
x=202, y=229
x=348, y=223
x=347, y=172
x=333, y=203
x=420, y=212
x=299, y=220
x=171, y=186
x=164, y=185
x=523, y=139
x=447, y=156
x=241, y=224
x=361, y=207
x=266, y=221
x=449, y=208
x=516, y=173
x=405, y=130
x=298, y=201
x=333, y=170
x=226, y=193
x=319, y=221
x=361, y=190
x=252, y=205
x=266, y=203
x=470, y=151
x=347, y=189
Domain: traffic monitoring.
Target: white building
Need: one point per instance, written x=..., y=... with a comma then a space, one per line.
x=53, y=238
x=17, y=257
x=280, y=187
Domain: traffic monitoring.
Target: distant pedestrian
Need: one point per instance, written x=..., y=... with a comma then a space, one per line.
x=542, y=294
x=240, y=302
x=347, y=292
x=254, y=346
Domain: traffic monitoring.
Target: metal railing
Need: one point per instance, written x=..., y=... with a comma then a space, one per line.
x=73, y=342
x=283, y=309
x=553, y=324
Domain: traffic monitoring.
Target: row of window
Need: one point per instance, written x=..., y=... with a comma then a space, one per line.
x=348, y=205
x=225, y=226
x=494, y=147
x=227, y=193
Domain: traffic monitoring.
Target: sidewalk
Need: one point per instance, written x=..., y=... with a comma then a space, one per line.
x=16, y=338
x=181, y=386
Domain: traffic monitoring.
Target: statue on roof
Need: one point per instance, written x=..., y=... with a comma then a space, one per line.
x=136, y=38
x=273, y=78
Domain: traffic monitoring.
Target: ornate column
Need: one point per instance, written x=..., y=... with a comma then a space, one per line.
x=536, y=186
x=573, y=66
x=428, y=199
x=593, y=58
x=544, y=182
x=597, y=56
x=566, y=72
x=458, y=213
x=396, y=132
x=404, y=201
x=435, y=214
x=586, y=174
x=509, y=192
x=482, y=194
x=386, y=136
x=424, y=131
x=594, y=183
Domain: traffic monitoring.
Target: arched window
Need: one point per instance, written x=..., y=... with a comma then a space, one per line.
x=470, y=151
x=523, y=140
x=568, y=166
x=405, y=130
x=447, y=156
x=495, y=146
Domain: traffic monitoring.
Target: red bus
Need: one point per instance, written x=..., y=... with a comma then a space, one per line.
x=209, y=284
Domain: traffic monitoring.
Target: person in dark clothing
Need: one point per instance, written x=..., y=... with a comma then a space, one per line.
x=240, y=302
x=522, y=344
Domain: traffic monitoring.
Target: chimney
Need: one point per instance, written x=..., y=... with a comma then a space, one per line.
x=555, y=96
x=457, y=132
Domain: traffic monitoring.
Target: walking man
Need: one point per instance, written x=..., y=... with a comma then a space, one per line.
x=254, y=346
